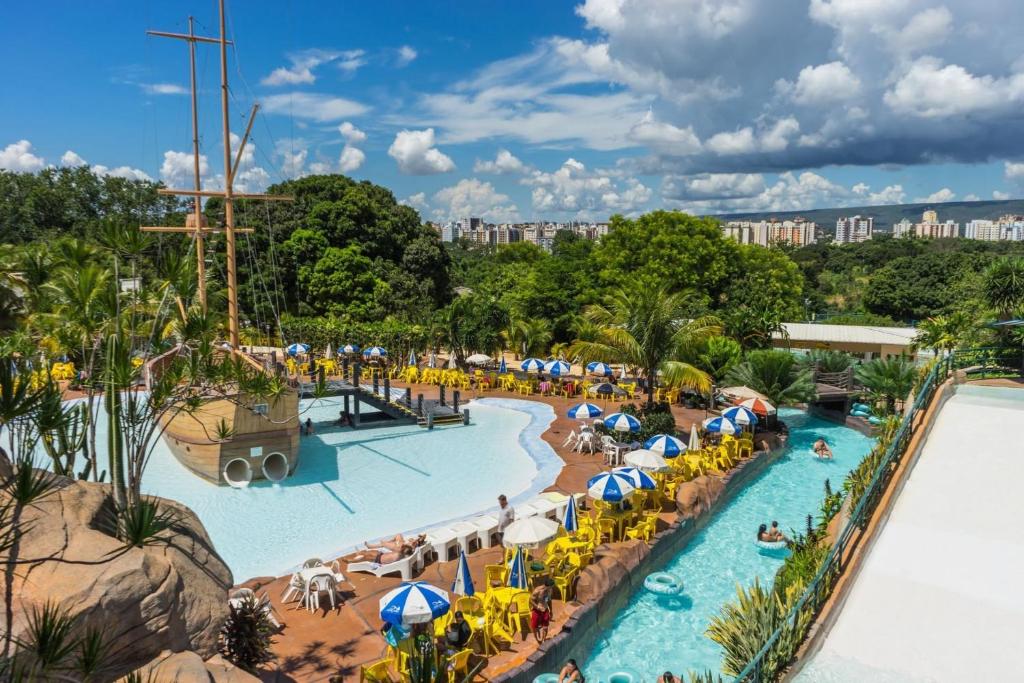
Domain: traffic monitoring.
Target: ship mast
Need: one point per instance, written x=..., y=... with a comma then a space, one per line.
x=230, y=169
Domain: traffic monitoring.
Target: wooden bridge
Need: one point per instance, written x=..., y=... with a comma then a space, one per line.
x=835, y=393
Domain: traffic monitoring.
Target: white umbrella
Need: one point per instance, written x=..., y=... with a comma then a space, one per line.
x=414, y=602
x=694, y=443
x=479, y=359
x=530, y=532
x=451, y=362
x=646, y=460
x=329, y=353
x=432, y=361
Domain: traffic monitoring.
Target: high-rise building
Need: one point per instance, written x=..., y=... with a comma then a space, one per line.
x=980, y=229
x=798, y=232
x=903, y=229
x=854, y=229
x=930, y=216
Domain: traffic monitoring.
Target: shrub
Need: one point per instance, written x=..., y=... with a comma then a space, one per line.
x=654, y=420
x=248, y=634
x=142, y=523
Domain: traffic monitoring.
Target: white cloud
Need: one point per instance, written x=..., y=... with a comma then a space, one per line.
x=351, y=60
x=573, y=188
x=744, y=141
x=351, y=134
x=713, y=186
x=505, y=163
x=736, y=142
x=937, y=197
x=406, y=54
x=890, y=194
x=416, y=155
x=471, y=197
x=972, y=198
x=18, y=157
x=996, y=194
x=177, y=169
x=776, y=138
x=417, y=201
x=126, y=172
x=293, y=162
x=163, y=89
x=1013, y=170
x=351, y=159
x=664, y=137
x=930, y=90
x=790, y=192
x=314, y=106
x=925, y=30
x=70, y=158
x=301, y=69
x=823, y=84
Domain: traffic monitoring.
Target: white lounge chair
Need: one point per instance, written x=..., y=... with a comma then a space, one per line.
x=486, y=529
x=543, y=507
x=571, y=439
x=466, y=534
x=406, y=566
x=441, y=541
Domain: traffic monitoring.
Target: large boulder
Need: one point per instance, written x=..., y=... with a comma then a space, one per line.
x=167, y=596
x=695, y=497
x=614, y=562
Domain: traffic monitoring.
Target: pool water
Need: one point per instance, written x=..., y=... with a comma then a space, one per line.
x=351, y=486
x=653, y=634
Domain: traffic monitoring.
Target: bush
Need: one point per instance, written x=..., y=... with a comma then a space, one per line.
x=248, y=634
x=654, y=420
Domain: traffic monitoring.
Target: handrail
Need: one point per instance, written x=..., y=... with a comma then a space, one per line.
x=833, y=560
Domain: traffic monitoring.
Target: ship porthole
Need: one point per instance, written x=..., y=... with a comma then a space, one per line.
x=275, y=467
x=237, y=473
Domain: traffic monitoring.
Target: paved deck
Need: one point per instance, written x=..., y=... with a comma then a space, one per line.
x=939, y=596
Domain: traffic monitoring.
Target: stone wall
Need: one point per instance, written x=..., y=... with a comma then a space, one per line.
x=619, y=569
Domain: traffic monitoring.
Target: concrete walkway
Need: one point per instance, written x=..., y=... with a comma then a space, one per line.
x=940, y=596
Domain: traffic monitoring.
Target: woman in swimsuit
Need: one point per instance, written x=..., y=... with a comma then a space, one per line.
x=382, y=557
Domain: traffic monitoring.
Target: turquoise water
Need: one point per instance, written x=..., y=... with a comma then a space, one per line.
x=352, y=486
x=653, y=633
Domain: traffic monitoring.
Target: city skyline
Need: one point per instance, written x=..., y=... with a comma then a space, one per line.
x=549, y=110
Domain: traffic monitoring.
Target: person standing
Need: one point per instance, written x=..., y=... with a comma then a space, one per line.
x=506, y=515
x=540, y=609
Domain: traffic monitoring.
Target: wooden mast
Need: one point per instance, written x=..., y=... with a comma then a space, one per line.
x=228, y=194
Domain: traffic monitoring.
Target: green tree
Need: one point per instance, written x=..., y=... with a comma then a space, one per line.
x=777, y=375
x=887, y=379
x=648, y=329
x=1004, y=286
x=472, y=323
x=717, y=355
x=342, y=283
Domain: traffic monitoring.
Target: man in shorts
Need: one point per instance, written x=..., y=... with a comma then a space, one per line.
x=540, y=609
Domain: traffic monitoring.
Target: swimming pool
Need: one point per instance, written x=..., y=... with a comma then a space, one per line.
x=352, y=486
x=654, y=633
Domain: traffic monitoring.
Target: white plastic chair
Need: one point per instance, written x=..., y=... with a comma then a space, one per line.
x=440, y=541
x=296, y=587
x=312, y=562
x=486, y=528
x=571, y=439
x=320, y=584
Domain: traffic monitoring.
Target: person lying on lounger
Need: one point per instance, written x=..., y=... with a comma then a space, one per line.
x=822, y=450
x=384, y=556
x=397, y=541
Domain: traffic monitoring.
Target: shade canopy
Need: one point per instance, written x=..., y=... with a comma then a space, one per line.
x=639, y=478
x=517, y=576
x=375, y=352
x=759, y=406
x=741, y=415
x=599, y=368
x=571, y=518
x=530, y=532
x=297, y=349
x=414, y=602
x=557, y=368
x=463, y=583
x=478, y=359
x=350, y=348
x=742, y=393
x=532, y=365
x=606, y=389
x=610, y=486
x=502, y=368
x=694, y=443
x=621, y=422
x=584, y=411
x=646, y=460
x=666, y=445
x=721, y=425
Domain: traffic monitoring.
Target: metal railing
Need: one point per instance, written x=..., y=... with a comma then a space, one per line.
x=821, y=586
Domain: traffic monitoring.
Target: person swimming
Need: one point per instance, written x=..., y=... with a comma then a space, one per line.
x=822, y=450
x=772, y=535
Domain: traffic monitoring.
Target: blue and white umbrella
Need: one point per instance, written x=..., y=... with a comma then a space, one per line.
x=584, y=411
x=375, y=352
x=557, y=368
x=296, y=349
x=414, y=602
x=503, y=368
x=350, y=348
x=621, y=422
x=668, y=446
x=517, y=577
x=721, y=425
x=532, y=365
x=744, y=417
x=599, y=368
x=571, y=518
x=610, y=486
x=412, y=358
x=638, y=477
x=463, y=584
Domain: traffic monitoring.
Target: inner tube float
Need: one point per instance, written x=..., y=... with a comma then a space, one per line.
x=860, y=408
x=623, y=676
x=663, y=583
x=771, y=545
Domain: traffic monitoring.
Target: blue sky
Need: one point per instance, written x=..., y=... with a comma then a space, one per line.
x=542, y=109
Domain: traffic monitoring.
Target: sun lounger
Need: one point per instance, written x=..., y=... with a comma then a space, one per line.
x=543, y=507
x=440, y=542
x=486, y=529
x=406, y=566
x=466, y=534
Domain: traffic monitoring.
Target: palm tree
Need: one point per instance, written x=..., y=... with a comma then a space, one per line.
x=933, y=333
x=777, y=375
x=887, y=379
x=1004, y=286
x=827, y=360
x=536, y=336
x=648, y=329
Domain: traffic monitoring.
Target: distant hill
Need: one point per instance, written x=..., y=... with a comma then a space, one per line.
x=886, y=216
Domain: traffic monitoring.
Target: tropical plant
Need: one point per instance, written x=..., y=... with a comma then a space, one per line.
x=807, y=554
x=777, y=375
x=648, y=329
x=1004, y=286
x=887, y=380
x=247, y=635
x=655, y=419
x=718, y=355
x=827, y=360
x=143, y=522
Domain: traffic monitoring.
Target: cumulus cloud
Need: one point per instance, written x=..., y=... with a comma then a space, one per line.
x=996, y=194
x=937, y=197
x=1013, y=170
x=416, y=155
x=417, y=201
x=744, y=141
x=505, y=163
x=471, y=197
x=351, y=159
x=177, y=169
x=713, y=186
x=823, y=84
x=406, y=54
x=18, y=157
x=351, y=134
x=300, y=70
x=71, y=159
x=972, y=198
x=664, y=137
x=314, y=106
x=930, y=90
x=573, y=188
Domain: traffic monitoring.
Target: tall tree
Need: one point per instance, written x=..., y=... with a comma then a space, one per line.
x=777, y=375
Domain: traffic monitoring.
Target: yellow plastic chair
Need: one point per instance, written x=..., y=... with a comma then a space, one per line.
x=494, y=574
x=458, y=665
x=565, y=579
x=608, y=529
x=518, y=612
x=376, y=672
